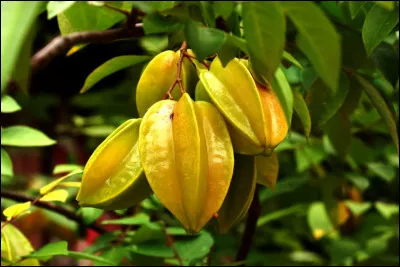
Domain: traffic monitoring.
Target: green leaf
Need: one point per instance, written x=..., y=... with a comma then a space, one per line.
x=62, y=168
x=6, y=164
x=287, y=56
x=318, y=220
x=355, y=7
x=22, y=71
x=223, y=9
x=161, y=5
x=389, y=5
x=353, y=50
x=203, y=41
x=264, y=29
x=338, y=130
x=317, y=39
x=81, y=255
x=285, y=186
x=155, y=23
x=9, y=105
x=195, y=247
x=269, y=217
x=381, y=106
x=284, y=93
x=208, y=13
x=385, y=57
x=138, y=219
x=89, y=215
x=379, y=22
x=387, y=210
x=109, y=67
x=359, y=152
x=309, y=155
x=114, y=254
x=323, y=103
x=56, y=7
x=342, y=250
x=154, y=248
x=301, y=109
x=24, y=136
x=154, y=44
x=384, y=171
x=50, y=250
x=84, y=17
x=17, y=19
x=360, y=181
x=358, y=208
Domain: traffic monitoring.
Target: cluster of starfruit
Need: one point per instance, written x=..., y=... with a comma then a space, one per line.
x=201, y=152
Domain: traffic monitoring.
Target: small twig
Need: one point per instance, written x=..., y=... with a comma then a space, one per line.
x=209, y=259
x=170, y=243
x=51, y=206
x=190, y=57
x=126, y=13
x=250, y=229
x=178, y=79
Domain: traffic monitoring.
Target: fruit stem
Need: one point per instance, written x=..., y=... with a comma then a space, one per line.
x=178, y=79
x=190, y=57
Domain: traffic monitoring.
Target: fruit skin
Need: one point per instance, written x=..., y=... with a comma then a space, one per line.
x=113, y=177
x=240, y=193
x=256, y=120
x=159, y=75
x=267, y=170
x=187, y=157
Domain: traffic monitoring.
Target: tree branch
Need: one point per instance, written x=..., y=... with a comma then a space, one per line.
x=251, y=225
x=53, y=207
x=178, y=79
x=62, y=43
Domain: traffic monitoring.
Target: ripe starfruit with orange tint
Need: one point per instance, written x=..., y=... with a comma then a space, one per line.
x=255, y=117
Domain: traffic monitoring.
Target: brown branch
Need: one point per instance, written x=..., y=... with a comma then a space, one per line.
x=170, y=243
x=178, y=79
x=53, y=207
x=62, y=43
x=126, y=13
x=250, y=229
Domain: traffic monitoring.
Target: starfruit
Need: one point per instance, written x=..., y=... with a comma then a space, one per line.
x=113, y=177
x=255, y=117
x=158, y=77
x=15, y=245
x=187, y=156
x=267, y=170
x=240, y=193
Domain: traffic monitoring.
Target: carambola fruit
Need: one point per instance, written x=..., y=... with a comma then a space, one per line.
x=240, y=193
x=187, y=157
x=255, y=118
x=158, y=77
x=113, y=177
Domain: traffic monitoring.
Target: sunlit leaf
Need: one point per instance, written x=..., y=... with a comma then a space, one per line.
x=56, y=195
x=47, y=188
x=16, y=210
x=6, y=164
x=9, y=105
x=24, y=136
